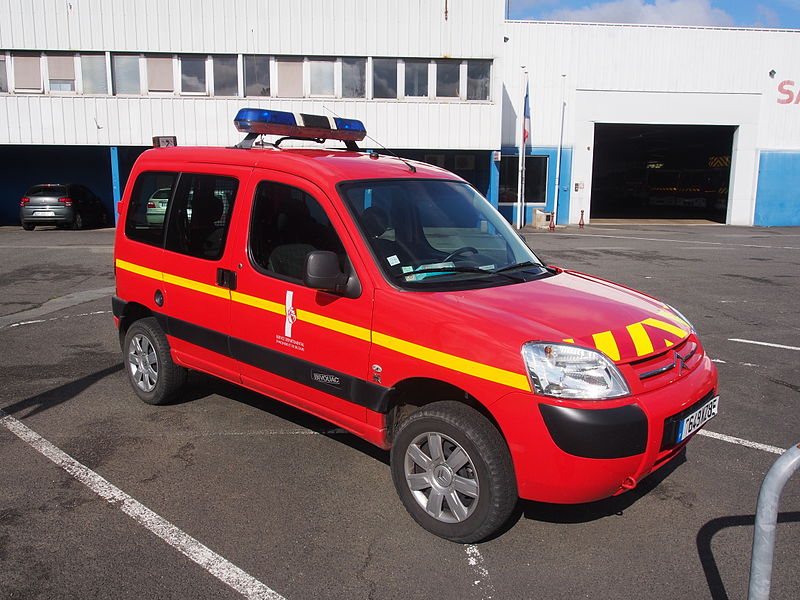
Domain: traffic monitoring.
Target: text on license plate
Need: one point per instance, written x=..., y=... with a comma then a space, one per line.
x=44, y=213
x=697, y=419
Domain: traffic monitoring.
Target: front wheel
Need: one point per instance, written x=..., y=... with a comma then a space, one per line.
x=453, y=472
x=28, y=226
x=155, y=378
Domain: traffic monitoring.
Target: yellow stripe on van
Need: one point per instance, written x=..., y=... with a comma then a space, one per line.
x=429, y=355
x=338, y=326
x=204, y=288
x=455, y=363
x=261, y=303
x=139, y=270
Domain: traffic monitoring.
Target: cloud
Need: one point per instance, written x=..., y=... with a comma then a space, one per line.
x=766, y=17
x=660, y=12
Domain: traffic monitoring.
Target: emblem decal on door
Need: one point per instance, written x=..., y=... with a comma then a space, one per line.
x=291, y=318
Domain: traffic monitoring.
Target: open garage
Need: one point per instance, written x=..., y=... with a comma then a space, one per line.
x=661, y=171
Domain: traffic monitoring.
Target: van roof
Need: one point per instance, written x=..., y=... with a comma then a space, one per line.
x=331, y=165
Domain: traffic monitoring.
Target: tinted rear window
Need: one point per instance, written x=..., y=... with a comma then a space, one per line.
x=47, y=190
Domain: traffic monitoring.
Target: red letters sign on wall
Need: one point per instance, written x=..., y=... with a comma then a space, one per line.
x=789, y=94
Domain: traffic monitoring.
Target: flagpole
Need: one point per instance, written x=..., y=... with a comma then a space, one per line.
x=523, y=134
x=558, y=155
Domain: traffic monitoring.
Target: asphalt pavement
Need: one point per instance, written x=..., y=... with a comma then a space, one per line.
x=230, y=494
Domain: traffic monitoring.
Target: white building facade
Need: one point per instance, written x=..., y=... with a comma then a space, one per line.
x=86, y=84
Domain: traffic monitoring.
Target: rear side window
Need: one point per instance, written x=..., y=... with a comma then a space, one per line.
x=148, y=205
x=47, y=190
x=200, y=214
x=287, y=224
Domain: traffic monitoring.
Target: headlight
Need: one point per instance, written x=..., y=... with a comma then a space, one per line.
x=567, y=371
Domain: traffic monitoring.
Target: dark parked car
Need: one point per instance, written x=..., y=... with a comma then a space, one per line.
x=67, y=205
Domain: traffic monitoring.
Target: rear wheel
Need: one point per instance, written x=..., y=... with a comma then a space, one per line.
x=77, y=221
x=453, y=472
x=28, y=226
x=155, y=378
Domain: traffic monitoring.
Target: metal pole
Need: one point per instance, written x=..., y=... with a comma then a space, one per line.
x=766, y=520
x=558, y=155
x=520, y=220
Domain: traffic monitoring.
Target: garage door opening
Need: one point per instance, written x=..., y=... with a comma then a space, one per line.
x=661, y=171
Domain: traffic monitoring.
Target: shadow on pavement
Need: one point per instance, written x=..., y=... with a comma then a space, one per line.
x=706, y=554
x=58, y=395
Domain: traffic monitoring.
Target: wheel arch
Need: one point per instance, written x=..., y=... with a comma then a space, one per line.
x=414, y=393
x=128, y=313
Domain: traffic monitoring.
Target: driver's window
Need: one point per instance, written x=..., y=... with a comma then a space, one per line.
x=288, y=223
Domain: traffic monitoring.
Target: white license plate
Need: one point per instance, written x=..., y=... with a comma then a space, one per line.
x=44, y=213
x=698, y=418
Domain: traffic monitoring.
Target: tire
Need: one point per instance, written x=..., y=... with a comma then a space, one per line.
x=77, y=221
x=453, y=472
x=155, y=378
x=28, y=226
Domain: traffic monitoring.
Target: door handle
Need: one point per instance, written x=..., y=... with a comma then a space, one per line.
x=226, y=278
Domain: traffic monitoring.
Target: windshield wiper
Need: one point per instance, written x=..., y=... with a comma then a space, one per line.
x=442, y=271
x=518, y=265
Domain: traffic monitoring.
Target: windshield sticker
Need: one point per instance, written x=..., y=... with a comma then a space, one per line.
x=432, y=269
x=393, y=260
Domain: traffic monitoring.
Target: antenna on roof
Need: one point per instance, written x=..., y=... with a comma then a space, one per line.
x=411, y=167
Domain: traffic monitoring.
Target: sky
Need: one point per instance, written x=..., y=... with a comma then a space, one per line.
x=783, y=14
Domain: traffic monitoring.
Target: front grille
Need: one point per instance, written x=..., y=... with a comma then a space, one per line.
x=653, y=372
x=672, y=423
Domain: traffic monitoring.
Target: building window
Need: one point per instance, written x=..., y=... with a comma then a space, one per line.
x=226, y=75
x=93, y=74
x=61, y=72
x=478, y=74
x=290, y=77
x=3, y=75
x=193, y=74
x=416, y=78
x=535, y=179
x=321, y=77
x=447, y=78
x=125, y=74
x=256, y=76
x=384, y=78
x=354, y=77
x=159, y=74
x=27, y=72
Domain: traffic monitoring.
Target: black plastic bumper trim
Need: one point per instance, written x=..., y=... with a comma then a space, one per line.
x=597, y=432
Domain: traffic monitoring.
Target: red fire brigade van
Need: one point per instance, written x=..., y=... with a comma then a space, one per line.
x=390, y=298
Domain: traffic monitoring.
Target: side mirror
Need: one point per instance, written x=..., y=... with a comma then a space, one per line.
x=322, y=272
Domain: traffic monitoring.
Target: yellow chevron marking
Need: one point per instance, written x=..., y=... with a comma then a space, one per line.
x=606, y=343
x=668, y=327
x=568, y=340
x=641, y=340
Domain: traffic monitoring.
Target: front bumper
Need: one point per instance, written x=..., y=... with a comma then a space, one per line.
x=572, y=452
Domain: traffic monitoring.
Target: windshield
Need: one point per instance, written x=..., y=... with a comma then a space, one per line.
x=429, y=234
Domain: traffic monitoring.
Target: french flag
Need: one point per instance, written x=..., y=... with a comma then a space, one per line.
x=526, y=123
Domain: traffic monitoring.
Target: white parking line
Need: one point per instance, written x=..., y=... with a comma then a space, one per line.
x=475, y=560
x=648, y=239
x=763, y=344
x=216, y=565
x=741, y=442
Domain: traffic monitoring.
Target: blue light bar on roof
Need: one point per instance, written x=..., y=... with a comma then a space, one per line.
x=277, y=122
